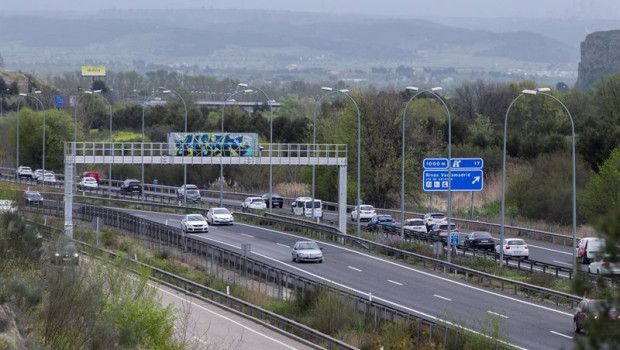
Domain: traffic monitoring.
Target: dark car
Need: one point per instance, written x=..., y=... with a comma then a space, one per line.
x=381, y=221
x=33, y=198
x=441, y=231
x=277, y=200
x=480, y=240
x=588, y=312
x=130, y=186
x=67, y=253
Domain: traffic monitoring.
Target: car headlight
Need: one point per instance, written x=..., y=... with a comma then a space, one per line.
x=56, y=254
x=75, y=255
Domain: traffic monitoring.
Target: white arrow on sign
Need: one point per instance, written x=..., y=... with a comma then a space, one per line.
x=456, y=164
x=476, y=179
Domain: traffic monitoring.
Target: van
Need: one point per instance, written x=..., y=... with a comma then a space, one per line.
x=303, y=206
x=91, y=174
x=589, y=248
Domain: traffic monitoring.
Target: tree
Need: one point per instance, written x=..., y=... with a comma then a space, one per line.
x=603, y=189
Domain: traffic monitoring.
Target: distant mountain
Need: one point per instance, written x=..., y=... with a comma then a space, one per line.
x=210, y=36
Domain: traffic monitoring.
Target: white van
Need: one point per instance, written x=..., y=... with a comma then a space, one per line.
x=303, y=206
x=590, y=248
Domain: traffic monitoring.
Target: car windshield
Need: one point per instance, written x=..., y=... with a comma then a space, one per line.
x=221, y=211
x=317, y=204
x=416, y=223
x=195, y=218
x=438, y=216
x=191, y=187
x=257, y=200
x=515, y=242
x=366, y=207
x=33, y=195
x=307, y=246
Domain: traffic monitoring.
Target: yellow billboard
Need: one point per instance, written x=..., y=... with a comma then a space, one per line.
x=93, y=71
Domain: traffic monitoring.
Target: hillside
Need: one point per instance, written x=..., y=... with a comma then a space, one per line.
x=263, y=40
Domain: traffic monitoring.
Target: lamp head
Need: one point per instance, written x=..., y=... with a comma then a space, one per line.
x=344, y=90
x=412, y=88
x=543, y=89
x=437, y=88
x=325, y=88
x=243, y=85
x=22, y=94
x=36, y=92
x=529, y=92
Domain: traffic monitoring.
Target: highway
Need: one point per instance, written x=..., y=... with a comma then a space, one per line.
x=207, y=326
x=529, y=324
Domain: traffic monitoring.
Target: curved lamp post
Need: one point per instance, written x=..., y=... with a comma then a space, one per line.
x=228, y=99
x=433, y=92
x=43, y=109
x=543, y=91
x=23, y=96
x=144, y=104
x=402, y=156
x=167, y=91
x=345, y=92
x=269, y=101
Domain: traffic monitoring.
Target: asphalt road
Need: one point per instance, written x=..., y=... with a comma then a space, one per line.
x=527, y=323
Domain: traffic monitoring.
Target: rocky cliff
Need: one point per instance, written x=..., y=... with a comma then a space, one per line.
x=600, y=57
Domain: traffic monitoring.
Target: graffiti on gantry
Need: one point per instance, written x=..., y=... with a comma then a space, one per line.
x=213, y=144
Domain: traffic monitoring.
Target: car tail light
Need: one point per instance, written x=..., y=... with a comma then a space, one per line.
x=527, y=247
x=507, y=247
x=605, y=264
x=477, y=240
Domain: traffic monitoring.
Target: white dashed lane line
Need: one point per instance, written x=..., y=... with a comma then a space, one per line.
x=440, y=297
x=561, y=335
x=496, y=314
x=397, y=283
x=283, y=245
x=353, y=268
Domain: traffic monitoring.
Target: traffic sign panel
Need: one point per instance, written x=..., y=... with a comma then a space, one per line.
x=469, y=163
x=462, y=180
x=454, y=238
x=435, y=163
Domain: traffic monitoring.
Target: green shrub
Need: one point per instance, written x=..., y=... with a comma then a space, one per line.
x=7, y=343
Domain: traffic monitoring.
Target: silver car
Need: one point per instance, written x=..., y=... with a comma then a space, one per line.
x=194, y=223
x=307, y=251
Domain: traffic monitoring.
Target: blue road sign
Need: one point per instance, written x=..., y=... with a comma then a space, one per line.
x=462, y=180
x=467, y=163
x=454, y=238
x=60, y=101
x=435, y=163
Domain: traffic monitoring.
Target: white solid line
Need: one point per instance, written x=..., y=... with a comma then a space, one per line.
x=561, y=335
x=245, y=234
x=563, y=263
x=228, y=319
x=440, y=297
x=496, y=314
x=400, y=284
x=353, y=268
x=551, y=250
x=283, y=245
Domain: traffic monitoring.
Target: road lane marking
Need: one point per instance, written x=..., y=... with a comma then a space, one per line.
x=561, y=335
x=496, y=314
x=353, y=268
x=245, y=234
x=551, y=250
x=563, y=263
x=283, y=245
x=398, y=283
x=440, y=297
x=227, y=318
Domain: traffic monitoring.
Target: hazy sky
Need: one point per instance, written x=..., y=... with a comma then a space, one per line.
x=582, y=9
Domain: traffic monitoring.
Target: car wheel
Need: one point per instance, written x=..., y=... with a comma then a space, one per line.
x=576, y=328
x=294, y=260
x=584, y=259
x=321, y=261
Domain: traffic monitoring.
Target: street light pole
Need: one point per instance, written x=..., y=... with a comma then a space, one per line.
x=503, y=210
x=229, y=98
x=543, y=91
x=23, y=95
x=143, y=109
x=166, y=91
x=269, y=101
x=345, y=92
x=434, y=93
x=75, y=128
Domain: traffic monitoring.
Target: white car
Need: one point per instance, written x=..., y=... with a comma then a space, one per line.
x=415, y=225
x=603, y=266
x=254, y=203
x=24, y=171
x=514, y=247
x=307, y=251
x=88, y=183
x=431, y=219
x=49, y=177
x=219, y=216
x=38, y=174
x=194, y=223
x=364, y=212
